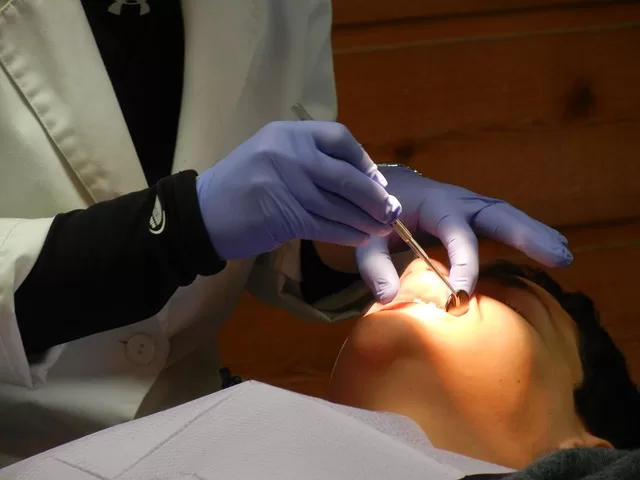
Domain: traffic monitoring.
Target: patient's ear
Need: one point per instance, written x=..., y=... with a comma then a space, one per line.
x=586, y=440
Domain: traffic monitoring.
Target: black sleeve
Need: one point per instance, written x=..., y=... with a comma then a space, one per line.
x=318, y=280
x=115, y=263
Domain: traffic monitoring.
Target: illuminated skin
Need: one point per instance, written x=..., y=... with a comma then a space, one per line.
x=494, y=384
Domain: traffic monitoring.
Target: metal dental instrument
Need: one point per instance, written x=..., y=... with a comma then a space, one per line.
x=457, y=302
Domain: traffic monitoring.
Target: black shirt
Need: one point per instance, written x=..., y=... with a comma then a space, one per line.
x=144, y=57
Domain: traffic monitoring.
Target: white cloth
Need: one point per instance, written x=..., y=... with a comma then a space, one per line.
x=64, y=145
x=254, y=431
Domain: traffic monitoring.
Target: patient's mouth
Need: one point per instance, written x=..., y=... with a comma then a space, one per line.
x=418, y=286
x=393, y=306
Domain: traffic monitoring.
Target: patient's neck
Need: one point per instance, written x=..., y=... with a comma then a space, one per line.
x=447, y=428
x=476, y=427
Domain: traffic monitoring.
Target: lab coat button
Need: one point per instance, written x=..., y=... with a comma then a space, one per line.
x=140, y=349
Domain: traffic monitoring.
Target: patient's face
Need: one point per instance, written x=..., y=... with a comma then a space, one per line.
x=496, y=383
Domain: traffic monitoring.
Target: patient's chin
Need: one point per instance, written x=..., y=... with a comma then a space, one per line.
x=384, y=336
x=363, y=365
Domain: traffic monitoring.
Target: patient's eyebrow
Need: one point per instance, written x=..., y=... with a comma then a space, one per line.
x=512, y=280
x=509, y=279
x=505, y=279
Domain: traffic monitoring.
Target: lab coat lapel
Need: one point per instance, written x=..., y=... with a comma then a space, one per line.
x=221, y=41
x=47, y=47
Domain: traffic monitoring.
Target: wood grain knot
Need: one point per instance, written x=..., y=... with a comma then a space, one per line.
x=581, y=101
x=404, y=152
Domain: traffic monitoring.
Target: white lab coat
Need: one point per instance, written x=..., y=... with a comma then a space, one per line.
x=64, y=145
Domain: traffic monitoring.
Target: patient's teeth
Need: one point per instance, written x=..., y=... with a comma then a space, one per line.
x=428, y=304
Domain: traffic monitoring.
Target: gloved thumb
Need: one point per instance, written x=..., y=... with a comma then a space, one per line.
x=377, y=269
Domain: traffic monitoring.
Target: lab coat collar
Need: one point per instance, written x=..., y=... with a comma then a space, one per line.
x=222, y=39
x=49, y=51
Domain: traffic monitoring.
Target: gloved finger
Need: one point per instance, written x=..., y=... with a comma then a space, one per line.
x=335, y=140
x=506, y=224
x=462, y=248
x=323, y=230
x=377, y=269
x=334, y=208
x=347, y=182
x=518, y=216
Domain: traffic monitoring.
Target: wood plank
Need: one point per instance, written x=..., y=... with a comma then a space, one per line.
x=438, y=31
x=347, y=12
x=266, y=344
x=547, y=118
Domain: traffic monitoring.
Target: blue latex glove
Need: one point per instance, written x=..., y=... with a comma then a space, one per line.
x=452, y=214
x=307, y=180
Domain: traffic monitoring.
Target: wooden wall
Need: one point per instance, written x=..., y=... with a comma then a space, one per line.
x=538, y=105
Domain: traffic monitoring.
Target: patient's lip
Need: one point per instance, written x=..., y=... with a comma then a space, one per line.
x=395, y=305
x=403, y=301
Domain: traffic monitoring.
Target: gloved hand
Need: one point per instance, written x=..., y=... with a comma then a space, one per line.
x=452, y=214
x=308, y=180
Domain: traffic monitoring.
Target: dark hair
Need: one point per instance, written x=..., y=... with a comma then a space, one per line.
x=608, y=400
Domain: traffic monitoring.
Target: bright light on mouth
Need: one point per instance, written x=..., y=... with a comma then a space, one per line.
x=420, y=287
x=399, y=304
x=425, y=313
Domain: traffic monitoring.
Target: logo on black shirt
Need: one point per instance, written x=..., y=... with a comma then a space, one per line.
x=116, y=6
x=157, y=220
